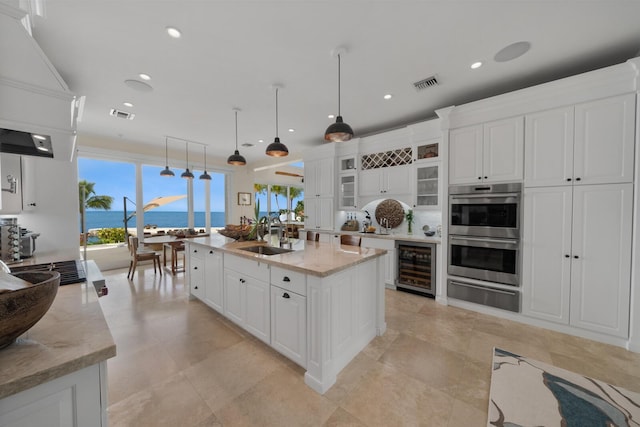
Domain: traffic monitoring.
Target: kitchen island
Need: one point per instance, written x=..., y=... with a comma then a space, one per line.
x=55, y=373
x=319, y=304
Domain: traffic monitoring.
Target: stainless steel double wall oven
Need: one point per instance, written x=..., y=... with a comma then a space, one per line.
x=484, y=244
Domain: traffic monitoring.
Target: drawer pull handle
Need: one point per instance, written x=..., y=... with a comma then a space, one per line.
x=242, y=280
x=285, y=295
x=286, y=279
x=195, y=268
x=210, y=252
x=195, y=251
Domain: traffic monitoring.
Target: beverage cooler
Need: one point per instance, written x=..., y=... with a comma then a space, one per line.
x=417, y=267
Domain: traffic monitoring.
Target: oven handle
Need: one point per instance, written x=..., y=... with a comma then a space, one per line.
x=484, y=288
x=483, y=195
x=482, y=239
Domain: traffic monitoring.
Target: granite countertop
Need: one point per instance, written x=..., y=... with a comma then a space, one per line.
x=72, y=335
x=315, y=258
x=415, y=237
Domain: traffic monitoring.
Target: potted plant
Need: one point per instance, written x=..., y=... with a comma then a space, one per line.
x=259, y=224
x=409, y=217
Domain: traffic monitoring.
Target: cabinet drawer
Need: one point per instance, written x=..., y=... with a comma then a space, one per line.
x=289, y=280
x=196, y=251
x=248, y=267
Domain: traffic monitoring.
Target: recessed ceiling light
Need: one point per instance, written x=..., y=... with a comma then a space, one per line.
x=39, y=137
x=127, y=104
x=476, y=65
x=174, y=32
x=42, y=147
x=144, y=76
x=261, y=140
x=247, y=144
x=291, y=130
x=138, y=85
x=388, y=96
x=331, y=116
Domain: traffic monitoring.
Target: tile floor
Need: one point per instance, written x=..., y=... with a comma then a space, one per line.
x=179, y=363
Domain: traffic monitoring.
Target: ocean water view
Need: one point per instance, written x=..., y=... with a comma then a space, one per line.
x=161, y=219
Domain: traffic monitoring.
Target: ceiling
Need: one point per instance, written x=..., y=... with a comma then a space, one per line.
x=232, y=52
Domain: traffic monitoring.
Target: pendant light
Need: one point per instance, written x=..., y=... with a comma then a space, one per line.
x=205, y=175
x=236, y=159
x=339, y=131
x=166, y=171
x=277, y=148
x=187, y=173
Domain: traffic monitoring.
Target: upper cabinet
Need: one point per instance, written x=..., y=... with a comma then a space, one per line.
x=318, y=177
x=490, y=152
x=591, y=143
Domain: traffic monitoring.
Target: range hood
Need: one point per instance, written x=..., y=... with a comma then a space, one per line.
x=37, y=109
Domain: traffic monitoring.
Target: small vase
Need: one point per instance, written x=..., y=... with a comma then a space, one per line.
x=409, y=228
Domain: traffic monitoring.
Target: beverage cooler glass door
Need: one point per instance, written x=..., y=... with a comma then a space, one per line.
x=416, y=267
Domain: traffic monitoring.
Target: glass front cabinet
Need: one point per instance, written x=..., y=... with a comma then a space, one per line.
x=347, y=183
x=427, y=176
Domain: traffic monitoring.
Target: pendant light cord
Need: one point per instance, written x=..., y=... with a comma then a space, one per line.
x=276, y=112
x=186, y=150
x=166, y=151
x=205, y=159
x=236, y=131
x=338, y=84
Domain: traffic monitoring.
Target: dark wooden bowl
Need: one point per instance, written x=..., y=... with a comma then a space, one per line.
x=20, y=309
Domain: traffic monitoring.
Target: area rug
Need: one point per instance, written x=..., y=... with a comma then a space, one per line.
x=525, y=392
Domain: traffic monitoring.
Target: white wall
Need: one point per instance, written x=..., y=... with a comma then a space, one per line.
x=56, y=214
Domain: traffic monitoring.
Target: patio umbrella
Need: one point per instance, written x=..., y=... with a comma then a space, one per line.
x=154, y=203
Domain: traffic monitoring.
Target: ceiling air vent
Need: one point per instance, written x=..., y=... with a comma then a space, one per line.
x=426, y=83
x=121, y=114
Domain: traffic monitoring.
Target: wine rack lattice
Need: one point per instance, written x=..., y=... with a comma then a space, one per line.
x=399, y=157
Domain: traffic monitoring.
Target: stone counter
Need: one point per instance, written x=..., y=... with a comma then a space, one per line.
x=72, y=335
x=314, y=258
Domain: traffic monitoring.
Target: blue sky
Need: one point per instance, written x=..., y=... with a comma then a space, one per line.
x=118, y=179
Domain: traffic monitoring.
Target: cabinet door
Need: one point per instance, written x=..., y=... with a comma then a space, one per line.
x=369, y=183
x=465, y=155
x=601, y=263
x=257, y=312
x=234, y=296
x=213, y=279
x=325, y=172
x=548, y=145
x=310, y=212
x=546, y=250
x=397, y=180
x=29, y=183
x=310, y=178
x=289, y=324
x=347, y=196
x=503, y=150
x=427, y=186
x=196, y=276
x=325, y=213
x=604, y=140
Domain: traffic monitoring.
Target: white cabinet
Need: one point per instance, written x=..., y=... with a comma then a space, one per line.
x=289, y=314
x=491, y=152
x=247, y=296
x=74, y=400
x=577, y=256
x=427, y=185
x=319, y=177
x=319, y=213
x=196, y=271
x=591, y=143
x=29, y=183
x=385, y=182
x=347, y=194
x=213, y=279
x=390, y=271
x=318, y=193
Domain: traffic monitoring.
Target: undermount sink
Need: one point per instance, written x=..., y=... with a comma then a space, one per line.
x=265, y=250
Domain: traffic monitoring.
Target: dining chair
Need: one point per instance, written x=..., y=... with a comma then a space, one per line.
x=176, y=248
x=313, y=236
x=348, y=239
x=138, y=255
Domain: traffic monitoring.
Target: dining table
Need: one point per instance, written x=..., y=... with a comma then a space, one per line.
x=169, y=241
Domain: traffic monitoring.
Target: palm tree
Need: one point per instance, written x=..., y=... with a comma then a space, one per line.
x=89, y=200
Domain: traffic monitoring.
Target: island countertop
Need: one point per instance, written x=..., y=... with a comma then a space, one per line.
x=72, y=335
x=308, y=257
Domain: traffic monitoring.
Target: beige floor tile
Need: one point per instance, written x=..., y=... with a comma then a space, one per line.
x=228, y=373
x=481, y=346
x=349, y=378
x=341, y=418
x=380, y=344
x=404, y=302
x=388, y=397
x=134, y=372
x=187, y=350
x=172, y=402
x=436, y=366
x=464, y=415
x=290, y=402
x=474, y=383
